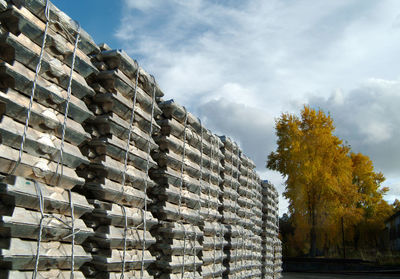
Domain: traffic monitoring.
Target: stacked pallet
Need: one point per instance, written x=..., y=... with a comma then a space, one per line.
x=177, y=196
x=117, y=179
x=43, y=71
x=271, y=249
x=213, y=241
x=230, y=207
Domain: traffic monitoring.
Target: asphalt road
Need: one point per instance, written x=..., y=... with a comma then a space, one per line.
x=293, y=275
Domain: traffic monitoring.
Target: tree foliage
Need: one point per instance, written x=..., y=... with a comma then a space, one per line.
x=325, y=183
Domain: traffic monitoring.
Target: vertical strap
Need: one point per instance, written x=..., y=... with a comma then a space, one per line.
x=130, y=129
x=60, y=159
x=42, y=217
x=38, y=67
x=209, y=177
x=125, y=234
x=201, y=160
x=71, y=204
x=184, y=252
x=153, y=100
x=194, y=253
x=182, y=163
x=236, y=204
x=199, y=197
x=222, y=239
x=245, y=217
x=214, y=256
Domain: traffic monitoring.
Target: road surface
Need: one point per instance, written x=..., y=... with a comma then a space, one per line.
x=295, y=275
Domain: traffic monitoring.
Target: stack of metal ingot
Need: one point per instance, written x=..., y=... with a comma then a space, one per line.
x=246, y=203
x=277, y=242
x=184, y=145
x=43, y=71
x=213, y=229
x=271, y=246
x=117, y=179
x=277, y=258
x=256, y=254
x=230, y=207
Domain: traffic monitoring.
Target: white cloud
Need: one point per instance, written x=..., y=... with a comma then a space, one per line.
x=239, y=64
x=368, y=118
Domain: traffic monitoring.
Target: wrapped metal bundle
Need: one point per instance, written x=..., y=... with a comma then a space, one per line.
x=117, y=178
x=271, y=246
x=214, y=232
x=43, y=71
x=256, y=251
x=184, y=159
x=48, y=219
x=230, y=207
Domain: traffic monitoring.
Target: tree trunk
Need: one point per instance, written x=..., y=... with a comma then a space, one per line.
x=313, y=237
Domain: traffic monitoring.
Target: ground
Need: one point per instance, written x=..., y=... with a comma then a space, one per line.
x=293, y=275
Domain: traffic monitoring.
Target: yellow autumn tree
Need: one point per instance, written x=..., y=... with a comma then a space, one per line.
x=373, y=208
x=318, y=175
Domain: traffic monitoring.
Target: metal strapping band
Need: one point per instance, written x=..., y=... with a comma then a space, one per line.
x=245, y=217
x=238, y=183
x=236, y=202
x=182, y=163
x=64, y=126
x=43, y=217
x=201, y=158
x=130, y=130
x=201, y=169
x=125, y=233
x=214, y=256
x=38, y=66
x=71, y=204
x=222, y=239
x=184, y=251
x=243, y=244
x=209, y=177
x=41, y=204
x=199, y=198
x=146, y=181
x=194, y=253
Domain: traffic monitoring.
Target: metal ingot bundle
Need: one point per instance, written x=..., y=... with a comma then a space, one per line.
x=44, y=65
x=213, y=230
x=117, y=179
x=185, y=148
x=277, y=258
x=213, y=249
x=256, y=252
x=245, y=212
x=270, y=267
x=230, y=206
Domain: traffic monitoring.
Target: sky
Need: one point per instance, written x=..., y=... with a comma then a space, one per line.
x=239, y=64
